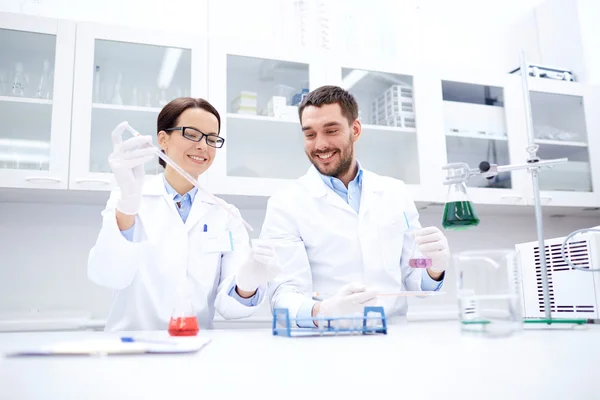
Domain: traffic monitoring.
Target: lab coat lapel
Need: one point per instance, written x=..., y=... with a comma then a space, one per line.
x=372, y=188
x=201, y=205
x=160, y=209
x=315, y=185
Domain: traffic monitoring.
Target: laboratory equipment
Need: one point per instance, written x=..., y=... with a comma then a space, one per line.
x=572, y=293
x=117, y=138
x=3, y=82
x=459, y=212
x=544, y=71
x=43, y=89
x=460, y=173
x=97, y=90
x=366, y=324
x=406, y=293
x=488, y=292
x=116, y=98
x=183, y=320
x=416, y=259
x=162, y=100
x=18, y=86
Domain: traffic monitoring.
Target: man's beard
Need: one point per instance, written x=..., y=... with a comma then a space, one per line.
x=342, y=168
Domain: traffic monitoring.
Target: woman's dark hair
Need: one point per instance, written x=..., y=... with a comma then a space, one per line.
x=171, y=112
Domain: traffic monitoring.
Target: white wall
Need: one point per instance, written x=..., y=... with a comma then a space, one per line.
x=589, y=15
x=563, y=34
x=45, y=247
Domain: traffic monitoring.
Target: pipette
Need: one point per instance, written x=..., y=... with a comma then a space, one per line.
x=408, y=293
x=125, y=126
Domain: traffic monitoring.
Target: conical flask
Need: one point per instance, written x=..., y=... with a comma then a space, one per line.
x=459, y=212
x=183, y=319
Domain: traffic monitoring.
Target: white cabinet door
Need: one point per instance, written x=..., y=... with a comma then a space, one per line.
x=476, y=129
x=36, y=79
x=566, y=124
x=256, y=89
x=126, y=75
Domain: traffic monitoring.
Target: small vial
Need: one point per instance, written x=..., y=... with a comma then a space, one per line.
x=420, y=262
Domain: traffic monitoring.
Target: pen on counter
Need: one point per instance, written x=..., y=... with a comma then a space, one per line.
x=129, y=339
x=205, y=228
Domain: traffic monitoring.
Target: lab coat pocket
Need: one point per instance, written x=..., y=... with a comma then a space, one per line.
x=216, y=242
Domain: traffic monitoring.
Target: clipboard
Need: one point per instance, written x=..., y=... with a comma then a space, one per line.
x=116, y=346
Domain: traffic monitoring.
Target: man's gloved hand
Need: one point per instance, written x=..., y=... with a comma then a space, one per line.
x=261, y=267
x=433, y=244
x=350, y=300
x=127, y=163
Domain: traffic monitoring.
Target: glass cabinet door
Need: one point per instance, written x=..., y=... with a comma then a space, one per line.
x=124, y=75
x=35, y=120
x=123, y=91
x=26, y=90
x=559, y=125
x=264, y=139
x=388, y=143
x=475, y=127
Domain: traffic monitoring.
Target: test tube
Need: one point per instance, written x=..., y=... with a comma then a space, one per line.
x=418, y=261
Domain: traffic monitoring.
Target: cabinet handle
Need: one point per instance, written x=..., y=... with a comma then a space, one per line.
x=542, y=198
x=46, y=179
x=513, y=197
x=92, y=180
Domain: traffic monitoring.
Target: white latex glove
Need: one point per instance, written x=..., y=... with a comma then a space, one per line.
x=261, y=267
x=350, y=300
x=433, y=244
x=127, y=163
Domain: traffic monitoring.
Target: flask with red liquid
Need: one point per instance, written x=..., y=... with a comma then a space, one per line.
x=183, y=319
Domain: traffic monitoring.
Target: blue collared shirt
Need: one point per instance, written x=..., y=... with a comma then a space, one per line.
x=183, y=208
x=351, y=195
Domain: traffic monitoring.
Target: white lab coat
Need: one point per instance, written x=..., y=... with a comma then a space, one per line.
x=326, y=245
x=147, y=272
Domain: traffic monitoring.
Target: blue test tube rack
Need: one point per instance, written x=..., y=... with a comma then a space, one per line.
x=358, y=324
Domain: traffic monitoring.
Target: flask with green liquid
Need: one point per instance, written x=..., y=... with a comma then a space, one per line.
x=459, y=212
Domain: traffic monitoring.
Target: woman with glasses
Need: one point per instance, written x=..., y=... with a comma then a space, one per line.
x=163, y=242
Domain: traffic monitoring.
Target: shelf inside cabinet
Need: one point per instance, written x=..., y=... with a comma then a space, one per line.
x=252, y=82
x=25, y=100
x=574, y=151
x=117, y=107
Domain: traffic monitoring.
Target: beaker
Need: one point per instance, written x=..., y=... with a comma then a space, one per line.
x=459, y=212
x=184, y=321
x=417, y=260
x=489, y=292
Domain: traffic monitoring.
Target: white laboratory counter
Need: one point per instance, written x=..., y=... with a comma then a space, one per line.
x=419, y=360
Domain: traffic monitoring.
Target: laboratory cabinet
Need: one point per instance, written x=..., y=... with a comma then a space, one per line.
x=124, y=74
x=257, y=90
x=484, y=118
x=64, y=86
x=36, y=82
x=394, y=111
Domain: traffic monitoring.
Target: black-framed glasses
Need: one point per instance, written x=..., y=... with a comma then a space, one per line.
x=195, y=135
